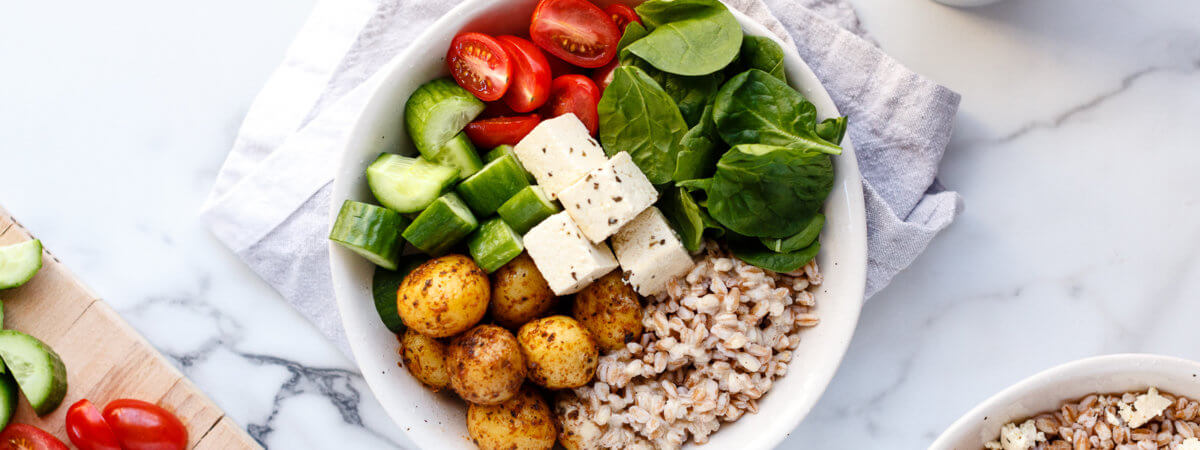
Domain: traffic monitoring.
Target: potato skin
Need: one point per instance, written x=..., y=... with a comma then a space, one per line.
x=611, y=310
x=519, y=293
x=444, y=296
x=486, y=365
x=522, y=422
x=559, y=352
x=425, y=359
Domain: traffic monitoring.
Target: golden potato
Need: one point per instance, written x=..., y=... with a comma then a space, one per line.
x=559, y=352
x=519, y=293
x=523, y=422
x=486, y=365
x=610, y=309
x=425, y=359
x=444, y=296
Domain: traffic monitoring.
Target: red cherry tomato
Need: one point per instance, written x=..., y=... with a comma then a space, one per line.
x=479, y=64
x=530, y=83
x=19, y=436
x=575, y=94
x=604, y=75
x=145, y=426
x=489, y=133
x=559, y=67
x=622, y=15
x=496, y=109
x=576, y=31
x=87, y=429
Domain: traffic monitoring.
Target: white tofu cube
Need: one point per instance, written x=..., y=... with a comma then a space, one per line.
x=558, y=152
x=608, y=197
x=566, y=259
x=650, y=252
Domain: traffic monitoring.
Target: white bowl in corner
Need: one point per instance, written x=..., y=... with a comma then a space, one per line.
x=438, y=420
x=1047, y=391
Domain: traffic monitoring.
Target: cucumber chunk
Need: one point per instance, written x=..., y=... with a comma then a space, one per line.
x=19, y=263
x=494, y=244
x=437, y=111
x=506, y=149
x=493, y=185
x=383, y=288
x=458, y=153
x=527, y=208
x=8, y=399
x=407, y=185
x=798, y=241
x=39, y=371
x=444, y=223
x=370, y=231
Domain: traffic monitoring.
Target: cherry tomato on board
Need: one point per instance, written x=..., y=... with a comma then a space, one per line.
x=87, y=429
x=622, y=15
x=575, y=94
x=604, y=75
x=489, y=133
x=19, y=436
x=145, y=426
x=576, y=31
x=530, y=83
x=480, y=65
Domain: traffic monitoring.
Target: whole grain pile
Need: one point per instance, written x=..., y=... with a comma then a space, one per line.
x=1130, y=421
x=714, y=343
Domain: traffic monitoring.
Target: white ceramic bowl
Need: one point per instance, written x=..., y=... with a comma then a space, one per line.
x=1047, y=390
x=438, y=420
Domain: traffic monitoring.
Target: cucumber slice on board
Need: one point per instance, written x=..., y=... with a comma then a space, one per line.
x=503, y=150
x=494, y=244
x=39, y=371
x=436, y=112
x=493, y=185
x=527, y=208
x=444, y=223
x=383, y=288
x=8, y=399
x=19, y=263
x=458, y=153
x=407, y=185
x=370, y=231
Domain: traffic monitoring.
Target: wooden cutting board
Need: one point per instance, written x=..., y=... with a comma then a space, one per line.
x=106, y=359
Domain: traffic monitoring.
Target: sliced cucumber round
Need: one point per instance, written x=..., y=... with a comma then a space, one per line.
x=8, y=399
x=383, y=288
x=408, y=185
x=19, y=263
x=436, y=112
x=39, y=371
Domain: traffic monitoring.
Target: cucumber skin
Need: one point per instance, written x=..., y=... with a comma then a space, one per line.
x=460, y=154
x=437, y=111
x=394, y=187
x=497, y=182
x=444, y=223
x=44, y=404
x=384, y=285
x=526, y=209
x=506, y=149
x=494, y=244
x=371, y=231
x=8, y=398
x=34, y=249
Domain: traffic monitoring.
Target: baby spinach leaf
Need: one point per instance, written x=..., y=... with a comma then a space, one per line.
x=684, y=214
x=757, y=108
x=756, y=255
x=699, y=149
x=762, y=53
x=691, y=94
x=688, y=37
x=797, y=241
x=633, y=32
x=638, y=117
x=832, y=129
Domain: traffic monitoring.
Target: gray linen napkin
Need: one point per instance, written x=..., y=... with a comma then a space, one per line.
x=271, y=199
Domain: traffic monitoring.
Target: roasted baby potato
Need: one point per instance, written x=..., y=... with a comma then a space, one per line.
x=609, y=309
x=519, y=293
x=486, y=365
x=559, y=352
x=522, y=422
x=444, y=296
x=425, y=359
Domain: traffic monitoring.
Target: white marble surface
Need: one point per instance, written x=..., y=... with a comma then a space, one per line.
x=1076, y=151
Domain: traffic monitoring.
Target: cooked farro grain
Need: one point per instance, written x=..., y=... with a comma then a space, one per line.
x=713, y=344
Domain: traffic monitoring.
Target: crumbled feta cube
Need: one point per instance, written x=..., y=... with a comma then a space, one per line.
x=565, y=257
x=558, y=152
x=1013, y=437
x=608, y=197
x=1145, y=407
x=650, y=253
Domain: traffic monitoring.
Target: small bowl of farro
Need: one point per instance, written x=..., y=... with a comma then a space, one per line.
x=1124, y=402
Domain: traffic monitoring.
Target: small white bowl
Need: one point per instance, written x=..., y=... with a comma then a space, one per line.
x=967, y=3
x=1047, y=391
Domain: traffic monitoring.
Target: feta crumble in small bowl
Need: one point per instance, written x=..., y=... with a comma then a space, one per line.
x=1126, y=401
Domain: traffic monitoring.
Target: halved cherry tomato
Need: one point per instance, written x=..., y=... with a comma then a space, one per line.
x=530, y=83
x=622, y=15
x=604, y=75
x=559, y=67
x=496, y=109
x=19, y=436
x=87, y=429
x=145, y=426
x=576, y=31
x=480, y=65
x=575, y=94
x=489, y=133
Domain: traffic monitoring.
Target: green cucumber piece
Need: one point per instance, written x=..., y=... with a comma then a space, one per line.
x=39, y=371
x=503, y=150
x=494, y=244
x=800, y=240
x=370, y=231
x=19, y=263
x=436, y=112
x=493, y=185
x=444, y=223
x=459, y=153
x=8, y=399
x=527, y=208
x=407, y=185
x=383, y=288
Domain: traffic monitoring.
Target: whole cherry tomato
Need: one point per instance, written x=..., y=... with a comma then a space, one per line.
x=622, y=15
x=575, y=94
x=87, y=429
x=604, y=75
x=576, y=31
x=480, y=65
x=530, y=83
x=145, y=426
x=489, y=133
x=19, y=436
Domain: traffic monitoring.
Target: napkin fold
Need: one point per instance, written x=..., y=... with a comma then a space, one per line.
x=270, y=202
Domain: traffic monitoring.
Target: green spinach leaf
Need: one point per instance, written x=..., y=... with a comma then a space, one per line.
x=691, y=94
x=832, y=129
x=685, y=217
x=638, y=117
x=633, y=32
x=699, y=149
x=757, y=108
x=804, y=238
x=756, y=255
x=688, y=37
x=762, y=53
